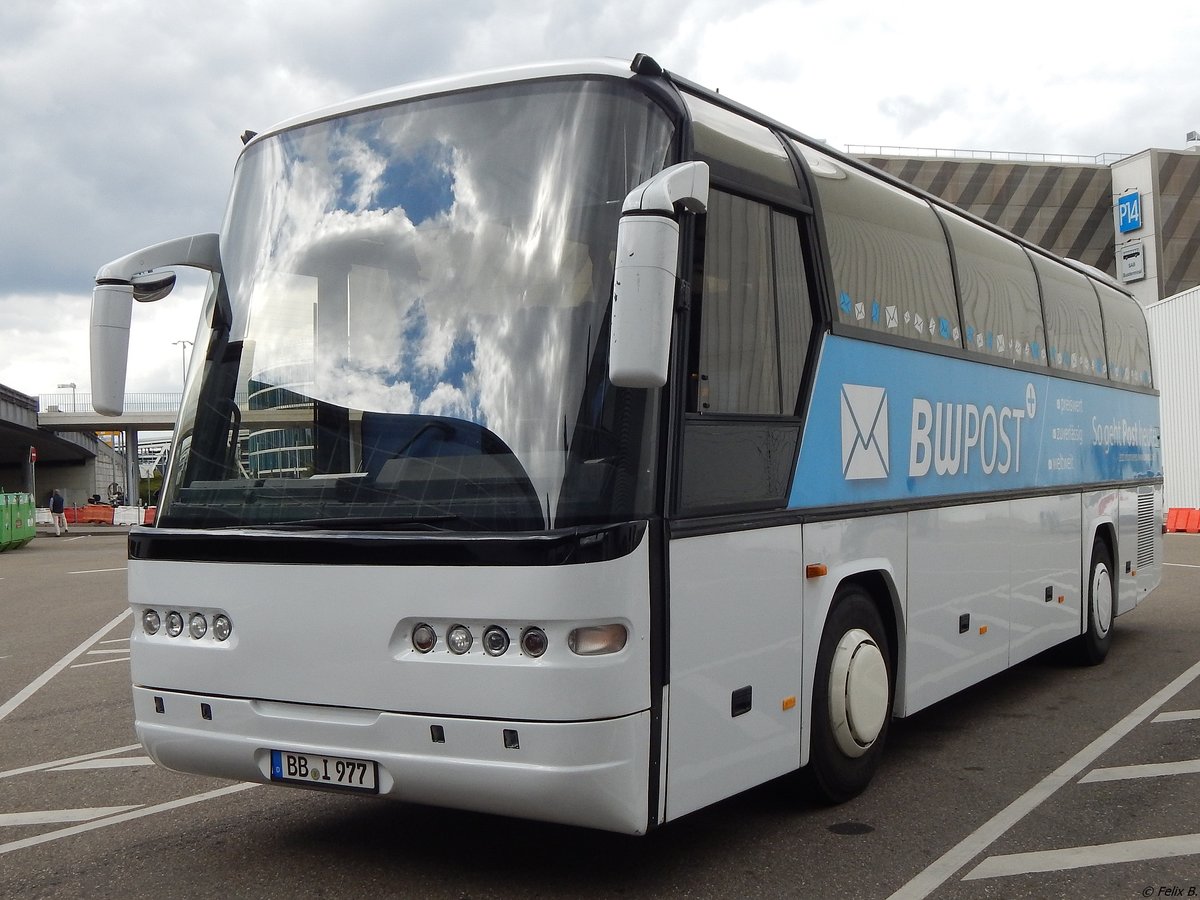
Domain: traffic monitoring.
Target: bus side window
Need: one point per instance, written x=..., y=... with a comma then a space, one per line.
x=891, y=264
x=751, y=328
x=1126, y=338
x=738, y=350
x=1074, y=334
x=1002, y=316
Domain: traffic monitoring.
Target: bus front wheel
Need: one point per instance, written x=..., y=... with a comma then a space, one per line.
x=1097, y=634
x=852, y=698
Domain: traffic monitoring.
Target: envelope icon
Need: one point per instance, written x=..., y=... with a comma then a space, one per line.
x=864, y=432
x=892, y=319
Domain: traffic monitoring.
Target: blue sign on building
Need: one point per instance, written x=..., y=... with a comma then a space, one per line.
x=1129, y=212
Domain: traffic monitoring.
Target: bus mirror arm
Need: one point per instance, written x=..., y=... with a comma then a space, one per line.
x=644, y=278
x=118, y=284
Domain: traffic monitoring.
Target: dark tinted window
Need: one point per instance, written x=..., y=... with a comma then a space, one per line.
x=1002, y=315
x=755, y=323
x=742, y=149
x=1074, y=336
x=739, y=342
x=1125, y=337
x=794, y=306
x=891, y=265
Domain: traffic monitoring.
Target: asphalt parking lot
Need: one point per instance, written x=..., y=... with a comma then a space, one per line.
x=1047, y=781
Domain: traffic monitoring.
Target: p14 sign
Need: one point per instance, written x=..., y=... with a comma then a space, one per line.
x=1129, y=212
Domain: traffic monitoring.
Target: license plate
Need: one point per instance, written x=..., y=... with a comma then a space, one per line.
x=323, y=771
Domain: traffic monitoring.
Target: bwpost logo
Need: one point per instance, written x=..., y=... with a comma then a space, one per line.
x=864, y=432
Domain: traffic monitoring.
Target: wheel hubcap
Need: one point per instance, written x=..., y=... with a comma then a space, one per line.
x=858, y=692
x=1102, y=600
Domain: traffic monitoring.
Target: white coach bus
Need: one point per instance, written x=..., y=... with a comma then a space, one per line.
x=570, y=442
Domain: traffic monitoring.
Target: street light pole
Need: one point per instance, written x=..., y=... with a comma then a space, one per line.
x=70, y=385
x=183, y=345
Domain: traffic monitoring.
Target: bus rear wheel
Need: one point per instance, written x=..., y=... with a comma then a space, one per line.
x=852, y=698
x=1101, y=596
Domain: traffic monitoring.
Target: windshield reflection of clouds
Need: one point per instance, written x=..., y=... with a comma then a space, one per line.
x=448, y=258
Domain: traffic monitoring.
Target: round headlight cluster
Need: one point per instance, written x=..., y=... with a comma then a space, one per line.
x=495, y=640
x=197, y=624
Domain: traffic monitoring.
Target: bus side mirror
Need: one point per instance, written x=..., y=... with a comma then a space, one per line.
x=152, y=286
x=112, y=309
x=118, y=284
x=646, y=272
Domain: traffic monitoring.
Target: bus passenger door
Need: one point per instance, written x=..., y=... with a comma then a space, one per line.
x=733, y=717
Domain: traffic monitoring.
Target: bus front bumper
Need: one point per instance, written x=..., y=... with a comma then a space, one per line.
x=592, y=773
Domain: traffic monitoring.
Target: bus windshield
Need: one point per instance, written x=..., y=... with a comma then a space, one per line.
x=410, y=330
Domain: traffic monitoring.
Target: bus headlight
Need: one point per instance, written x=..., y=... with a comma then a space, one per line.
x=459, y=639
x=222, y=627
x=534, y=641
x=495, y=640
x=151, y=621
x=197, y=626
x=174, y=624
x=424, y=638
x=595, y=640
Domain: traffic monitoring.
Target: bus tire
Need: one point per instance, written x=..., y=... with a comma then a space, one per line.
x=1101, y=600
x=852, y=698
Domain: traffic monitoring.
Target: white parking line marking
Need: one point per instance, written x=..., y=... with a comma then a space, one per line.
x=942, y=869
x=41, y=767
x=1148, y=770
x=1182, y=565
x=104, y=652
x=1082, y=857
x=100, y=663
x=122, y=817
x=38, y=683
x=120, y=762
x=58, y=816
x=96, y=571
x=1181, y=715
x=116, y=641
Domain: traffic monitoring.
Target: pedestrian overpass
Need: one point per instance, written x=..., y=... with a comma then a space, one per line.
x=63, y=428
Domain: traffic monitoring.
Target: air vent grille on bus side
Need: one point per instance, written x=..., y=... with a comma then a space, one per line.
x=1145, y=528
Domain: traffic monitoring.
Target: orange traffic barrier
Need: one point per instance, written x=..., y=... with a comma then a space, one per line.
x=1173, y=515
x=94, y=514
x=150, y=511
x=1193, y=521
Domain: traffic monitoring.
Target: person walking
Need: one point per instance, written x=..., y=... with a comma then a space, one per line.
x=58, y=508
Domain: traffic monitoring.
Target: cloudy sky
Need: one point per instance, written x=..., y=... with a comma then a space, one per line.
x=121, y=117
